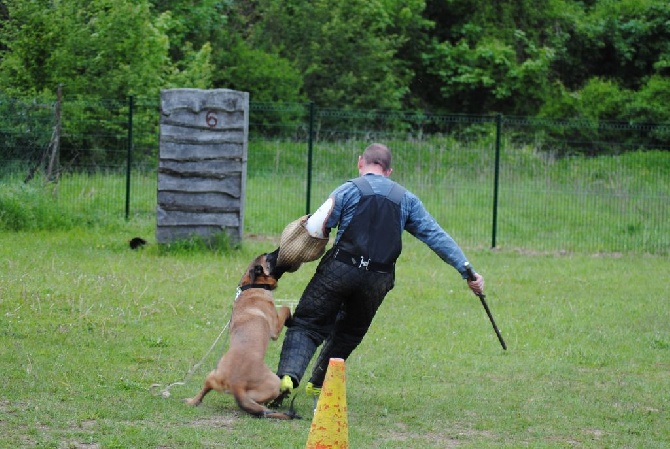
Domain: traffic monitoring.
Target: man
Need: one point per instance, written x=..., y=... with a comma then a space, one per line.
x=354, y=276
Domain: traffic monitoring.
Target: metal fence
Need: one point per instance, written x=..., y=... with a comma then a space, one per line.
x=491, y=181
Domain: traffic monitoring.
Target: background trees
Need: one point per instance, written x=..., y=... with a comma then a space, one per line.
x=100, y=48
x=600, y=59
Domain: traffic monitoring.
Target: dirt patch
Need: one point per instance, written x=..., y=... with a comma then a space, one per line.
x=446, y=441
x=595, y=433
x=262, y=238
x=449, y=439
x=226, y=422
x=76, y=445
x=88, y=424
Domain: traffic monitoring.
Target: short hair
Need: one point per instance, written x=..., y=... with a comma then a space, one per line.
x=378, y=154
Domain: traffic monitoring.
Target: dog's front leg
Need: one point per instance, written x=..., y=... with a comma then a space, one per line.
x=197, y=400
x=284, y=315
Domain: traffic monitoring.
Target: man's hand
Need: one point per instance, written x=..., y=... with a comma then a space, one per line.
x=477, y=286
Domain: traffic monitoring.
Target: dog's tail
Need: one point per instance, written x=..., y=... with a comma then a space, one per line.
x=259, y=410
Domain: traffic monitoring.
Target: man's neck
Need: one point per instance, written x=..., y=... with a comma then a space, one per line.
x=372, y=170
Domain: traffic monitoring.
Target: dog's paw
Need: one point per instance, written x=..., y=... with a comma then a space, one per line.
x=193, y=402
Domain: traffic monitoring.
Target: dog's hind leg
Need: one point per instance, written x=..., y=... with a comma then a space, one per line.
x=252, y=407
x=248, y=404
x=289, y=414
x=252, y=400
x=280, y=415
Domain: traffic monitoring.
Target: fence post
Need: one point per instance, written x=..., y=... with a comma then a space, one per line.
x=310, y=150
x=496, y=180
x=53, y=167
x=130, y=153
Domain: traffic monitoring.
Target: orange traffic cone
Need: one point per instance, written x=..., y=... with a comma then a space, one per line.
x=329, y=428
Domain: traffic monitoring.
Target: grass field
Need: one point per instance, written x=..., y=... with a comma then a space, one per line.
x=91, y=332
x=608, y=204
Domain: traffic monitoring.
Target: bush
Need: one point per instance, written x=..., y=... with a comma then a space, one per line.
x=25, y=207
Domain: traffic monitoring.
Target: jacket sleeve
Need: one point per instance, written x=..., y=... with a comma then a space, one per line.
x=421, y=224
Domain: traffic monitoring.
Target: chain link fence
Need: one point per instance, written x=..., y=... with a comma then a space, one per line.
x=491, y=181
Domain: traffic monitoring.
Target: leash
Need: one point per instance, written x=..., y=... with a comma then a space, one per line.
x=166, y=391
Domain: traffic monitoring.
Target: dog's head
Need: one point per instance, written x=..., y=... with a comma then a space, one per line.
x=259, y=272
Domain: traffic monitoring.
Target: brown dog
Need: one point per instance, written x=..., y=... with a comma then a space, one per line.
x=242, y=371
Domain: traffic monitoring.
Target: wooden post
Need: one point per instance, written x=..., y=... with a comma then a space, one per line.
x=202, y=166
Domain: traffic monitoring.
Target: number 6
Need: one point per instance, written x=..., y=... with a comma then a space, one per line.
x=211, y=119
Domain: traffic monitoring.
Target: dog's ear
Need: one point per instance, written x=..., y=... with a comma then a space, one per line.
x=257, y=271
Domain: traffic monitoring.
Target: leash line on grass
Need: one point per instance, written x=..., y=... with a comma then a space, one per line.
x=166, y=391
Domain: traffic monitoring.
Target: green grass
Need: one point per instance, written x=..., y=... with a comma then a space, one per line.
x=613, y=204
x=88, y=327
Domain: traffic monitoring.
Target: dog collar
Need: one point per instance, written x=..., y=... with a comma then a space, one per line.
x=248, y=286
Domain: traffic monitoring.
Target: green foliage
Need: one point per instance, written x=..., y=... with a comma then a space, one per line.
x=487, y=75
x=26, y=207
x=596, y=59
x=268, y=77
x=191, y=24
x=220, y=244
x=634, y=38
x=647, y=111
x=344, y=49
x=104, y=51
x=100, y=48
x=602, y=100
x=493, y=57
x=651, y=104
x=195, y=70
x=515, y=58
x=26, y=128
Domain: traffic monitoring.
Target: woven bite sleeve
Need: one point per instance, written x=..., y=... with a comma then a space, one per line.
x=297, y=246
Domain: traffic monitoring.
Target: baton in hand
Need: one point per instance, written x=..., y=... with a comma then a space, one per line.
x=482, y=298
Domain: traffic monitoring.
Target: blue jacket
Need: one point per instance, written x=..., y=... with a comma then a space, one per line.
x=415, y=219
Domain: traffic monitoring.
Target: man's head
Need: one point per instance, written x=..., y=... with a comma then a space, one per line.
x=376, y=159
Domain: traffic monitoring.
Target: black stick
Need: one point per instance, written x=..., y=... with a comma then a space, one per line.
x=482, y=298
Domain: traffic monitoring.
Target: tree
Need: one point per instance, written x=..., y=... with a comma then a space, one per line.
x=101, y=48
x=488, y=76
x=345, y=49
x=241, y=65
x=192, y=25
x=518, y=57
x=487, y=57
x=615, y=63
x=629, y=39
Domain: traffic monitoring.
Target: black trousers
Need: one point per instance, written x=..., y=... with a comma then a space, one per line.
x=337, y=307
